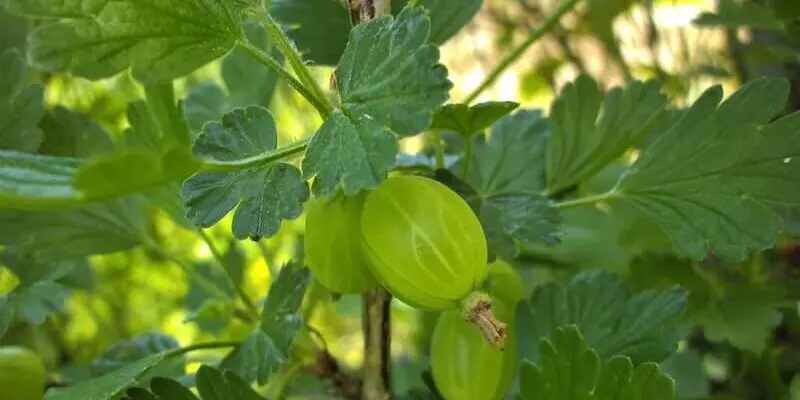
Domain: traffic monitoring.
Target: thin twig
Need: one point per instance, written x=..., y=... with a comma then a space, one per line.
x=534, y=36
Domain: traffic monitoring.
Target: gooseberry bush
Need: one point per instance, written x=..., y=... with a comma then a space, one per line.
x=455, y=230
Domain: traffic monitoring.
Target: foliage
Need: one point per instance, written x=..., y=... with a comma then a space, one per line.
x=631, y=231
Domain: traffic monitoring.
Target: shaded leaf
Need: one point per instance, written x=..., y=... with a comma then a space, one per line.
x=255, y=359
x=97, y=228
x=614, y=320
x=710, y=180
x=507, y=175
x=468, y=120
x=732, y=14
x=246, y=80
x=213, y=385
x=138, y=348
x=264, y=194
x=571, y=370
x=68, y=133
x=281, y=318
x=110, y=385
x=21, y=106
x=319, y=28
x=161, y=389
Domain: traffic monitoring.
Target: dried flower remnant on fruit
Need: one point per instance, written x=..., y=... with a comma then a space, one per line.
x=478, y=310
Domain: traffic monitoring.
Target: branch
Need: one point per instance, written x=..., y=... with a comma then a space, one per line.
x=377, y=345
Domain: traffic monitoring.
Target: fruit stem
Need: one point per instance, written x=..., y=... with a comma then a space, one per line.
x=477, y=309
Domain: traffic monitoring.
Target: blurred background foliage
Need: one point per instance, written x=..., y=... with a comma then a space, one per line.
x=743, y=326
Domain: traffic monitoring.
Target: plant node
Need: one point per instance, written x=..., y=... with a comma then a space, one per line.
x=477, y=309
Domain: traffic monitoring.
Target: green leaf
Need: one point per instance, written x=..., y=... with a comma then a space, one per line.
x=319, y=28
x=212, y=314
x=97, y=228
x=507, y=174
x=162, y=389
x=785, y=10
x=589, y=239
x=160, y=40
x=353, y=154
x=246, y=81
x=265, y=194
x=57, y=8
x=21, y=106
x=588, y=130
x=131, y=171
x=447, y=17
x=33, y=182
x=571, y=370
x=686, y=368
x=281, y=318
x=746, y=317
x=255, y=359
x=168, y=114
x=710, y=180
x=390, y=73
x=213, y=385
x=111, y=385
x=138, y=348
x=737, y=303
x=469, y=120
x=614, y=320
x=68, y=133
x=38, y=293
x=6, y=315
x=733, y=14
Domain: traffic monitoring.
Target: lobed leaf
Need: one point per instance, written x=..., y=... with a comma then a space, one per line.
x=507, y=175
x=214, y=385
x=469, y=120
x=391, y=74
x=96, y=228
x=589, y=130
x=353, y=154
x=263, y=195
x=319, y=28
x=711, y=181
x=111, y=385
x=160, y=40
x=570, y=369
x=614, y=320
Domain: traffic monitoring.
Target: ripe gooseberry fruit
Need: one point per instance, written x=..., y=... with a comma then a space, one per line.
x=464, y=366
x=333, y=243
x=22, y=373
x=426, y=246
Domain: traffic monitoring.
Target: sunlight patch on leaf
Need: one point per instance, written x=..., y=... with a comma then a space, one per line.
x=161, y=40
